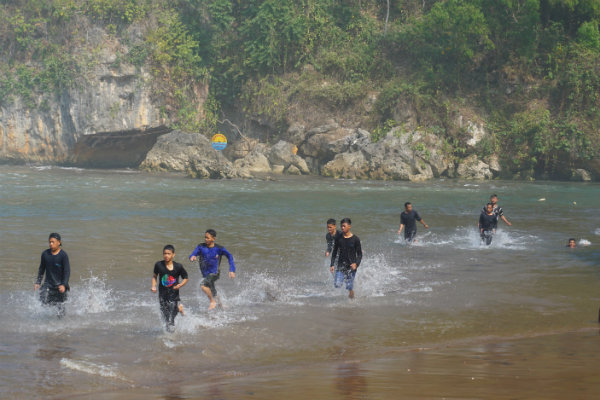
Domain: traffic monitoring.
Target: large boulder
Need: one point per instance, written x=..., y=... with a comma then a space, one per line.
x=317, y=145
x=284, y=153
x=254, y=162
x=240, y=148
x=581, y=175
x=347, y=165
x=473, y=168
x=191, y=153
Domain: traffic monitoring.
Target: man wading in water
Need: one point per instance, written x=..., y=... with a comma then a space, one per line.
x=55, y=264
x=347, y=245
x=166, y=276
x=488, y=221
x=497, y=209
x=408, y=222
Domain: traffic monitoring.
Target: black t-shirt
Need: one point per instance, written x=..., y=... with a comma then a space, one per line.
x=349, y=251
x=167, y=279
x=497, y=210
x=56, y=267
x=409, y=220
x=488, y=222
x=331, y=239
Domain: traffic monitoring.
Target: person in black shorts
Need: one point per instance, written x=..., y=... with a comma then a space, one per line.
x=488, y=221
x=332, y=233
x=347, y=247
x=408, y=222
x=166, y=275
x=55, y=265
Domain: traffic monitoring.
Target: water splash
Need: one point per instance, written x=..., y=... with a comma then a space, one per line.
x=91, y=368
x=468, y=238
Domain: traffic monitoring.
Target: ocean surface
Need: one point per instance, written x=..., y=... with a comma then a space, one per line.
x=445, y=317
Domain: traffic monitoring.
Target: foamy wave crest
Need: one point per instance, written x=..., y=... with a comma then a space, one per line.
x=584, y=242
x=466, y=238
x=91, y=368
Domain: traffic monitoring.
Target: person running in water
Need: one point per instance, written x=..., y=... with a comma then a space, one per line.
x=488, y=221
x=408, y=222
x=347, y=246
x=497, y=209
x=166, y=275
x=209, y=255
x=55, y=265
x=332, y=233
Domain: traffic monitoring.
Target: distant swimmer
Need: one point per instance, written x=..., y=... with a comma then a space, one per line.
x=572, y=243
x=166, y=276
x=55, y=265
x=332, y=233
x=497, y=209
x=347, y=247
x=488, y=221
x=209, y=256
x=408, y=222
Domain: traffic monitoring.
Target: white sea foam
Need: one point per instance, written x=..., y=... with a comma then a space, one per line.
x=584, y=242
x=88, y=367
x=468, y=238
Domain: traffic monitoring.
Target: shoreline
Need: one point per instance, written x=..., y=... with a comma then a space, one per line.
x=453, y=369
x=272, y=176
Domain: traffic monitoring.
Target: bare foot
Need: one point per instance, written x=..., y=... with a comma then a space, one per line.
x=213, y=305
x=351, y=294
x=181, y=309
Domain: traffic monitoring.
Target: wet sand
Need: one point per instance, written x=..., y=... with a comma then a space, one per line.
x=549, y=366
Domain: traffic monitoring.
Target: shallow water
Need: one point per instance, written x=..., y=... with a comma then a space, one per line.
x=282, y=313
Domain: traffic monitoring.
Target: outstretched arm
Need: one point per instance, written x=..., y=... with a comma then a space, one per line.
x=401, y=228
x=231, y=262
x=424, y=224
x=505, y=220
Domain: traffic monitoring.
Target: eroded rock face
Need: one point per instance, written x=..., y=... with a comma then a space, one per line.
x=581, y=175
x=283, y=153
x=113, y=96
x=254, y=163
x=473, y=168
x=191, y=153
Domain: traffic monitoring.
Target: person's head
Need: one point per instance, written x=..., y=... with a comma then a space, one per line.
x=331, y=225
x=408, y=206
x=210, y=236
x=54, y=241
x=489, y=207
x=494, y=199
x=346, y=224
x=168, y=253
x=572, y=243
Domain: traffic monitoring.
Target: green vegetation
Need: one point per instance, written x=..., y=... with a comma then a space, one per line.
x=531, y=68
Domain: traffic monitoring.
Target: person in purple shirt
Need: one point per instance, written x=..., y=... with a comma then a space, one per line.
x=209, y=255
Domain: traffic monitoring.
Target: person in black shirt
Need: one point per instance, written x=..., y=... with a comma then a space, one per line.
x=349, y=252
x=332, y=233
x=408, y=222
x=488, y=221
x=54, y=264
x=166, y=276
x=497, y=209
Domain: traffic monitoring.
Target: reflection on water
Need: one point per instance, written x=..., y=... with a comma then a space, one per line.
x=282, y=310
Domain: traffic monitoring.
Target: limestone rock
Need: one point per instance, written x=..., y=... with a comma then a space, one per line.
x=581, y=175
x=318, y=145
x=347, y=165
x=282, y=153
x=253, y=163
x=293, y=170
x=494, y=162
x=473, y=168
x=188, y=152
x=240, y=148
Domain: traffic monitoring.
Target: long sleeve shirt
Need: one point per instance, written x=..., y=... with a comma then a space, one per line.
x=209, y=258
